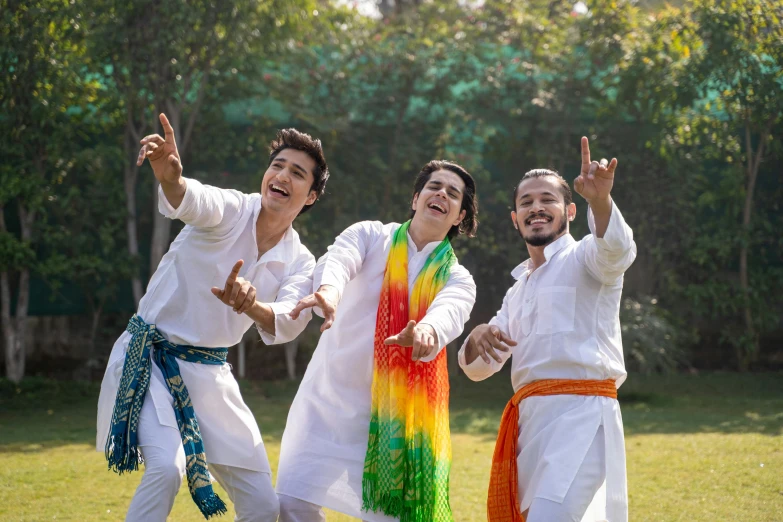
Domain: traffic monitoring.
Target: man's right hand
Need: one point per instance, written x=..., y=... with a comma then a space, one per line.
x=485, y=341
x=162, y=154
x=326, y=298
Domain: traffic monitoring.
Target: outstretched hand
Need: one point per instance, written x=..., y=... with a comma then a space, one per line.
x=485, y=341
x=162, y=154
x=596, y=179
x=238, y=293
x=326, y=298
x=421, y=336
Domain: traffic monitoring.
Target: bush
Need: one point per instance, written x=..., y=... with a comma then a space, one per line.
x=651, y=341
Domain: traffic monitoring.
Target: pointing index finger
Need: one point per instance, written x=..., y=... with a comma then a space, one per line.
x=168, y=130
x=585, y=153
x=232, y=277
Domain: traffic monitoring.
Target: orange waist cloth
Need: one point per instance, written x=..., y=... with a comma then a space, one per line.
x=503, y=497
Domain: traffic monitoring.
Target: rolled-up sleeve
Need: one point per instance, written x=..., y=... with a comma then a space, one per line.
x=295, y=286
x=450, y=310
x=479, y=370
x=608, y=258
x=203, y=206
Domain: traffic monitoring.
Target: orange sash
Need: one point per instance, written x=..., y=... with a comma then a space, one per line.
x=503, y=497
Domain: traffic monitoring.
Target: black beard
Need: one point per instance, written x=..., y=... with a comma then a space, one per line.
x=538, y=241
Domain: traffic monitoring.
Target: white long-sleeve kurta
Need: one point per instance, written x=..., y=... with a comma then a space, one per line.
x=565, y=318
x=220, y=229
x=325, y=439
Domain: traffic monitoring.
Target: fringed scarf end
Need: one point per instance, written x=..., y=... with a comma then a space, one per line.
x=121, y=457
x=210, y=504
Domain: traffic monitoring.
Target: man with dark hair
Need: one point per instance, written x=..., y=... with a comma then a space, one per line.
x=561, y=435
x=367, y=434
x=184, y=414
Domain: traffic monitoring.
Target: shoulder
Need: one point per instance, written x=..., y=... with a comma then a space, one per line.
x=460, y=274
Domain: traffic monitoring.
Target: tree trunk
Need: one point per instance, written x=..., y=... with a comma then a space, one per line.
x=748, y=353
x=130, y=177
x=15, y=328
x=290, y=358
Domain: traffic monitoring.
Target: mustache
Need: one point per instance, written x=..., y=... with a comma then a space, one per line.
x=538, y=215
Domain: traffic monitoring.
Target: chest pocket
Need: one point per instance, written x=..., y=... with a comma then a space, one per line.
x=556, y=308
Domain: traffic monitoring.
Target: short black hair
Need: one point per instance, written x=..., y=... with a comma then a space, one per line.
x=293, y=139
x=542, y=173
x=470, y=223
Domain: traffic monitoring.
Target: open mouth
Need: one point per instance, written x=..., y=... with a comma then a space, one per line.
x=437, y=207
x=537, y=220
x=278, y=189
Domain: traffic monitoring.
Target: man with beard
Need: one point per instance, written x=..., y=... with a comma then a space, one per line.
x=184, y=414
x=561, y=435
x=368, y=432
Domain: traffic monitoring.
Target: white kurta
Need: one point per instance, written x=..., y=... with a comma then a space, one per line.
x=221, y=229
x=565, y=318
x=325, y=440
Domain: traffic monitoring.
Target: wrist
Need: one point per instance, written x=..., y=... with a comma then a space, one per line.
x=177, y=185
x=600, y=204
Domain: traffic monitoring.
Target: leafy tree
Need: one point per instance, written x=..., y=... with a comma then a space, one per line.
x=43, y=96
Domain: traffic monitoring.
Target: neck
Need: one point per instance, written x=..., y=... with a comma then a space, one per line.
x=271, y=227
x=422, y=236
x=537, y=257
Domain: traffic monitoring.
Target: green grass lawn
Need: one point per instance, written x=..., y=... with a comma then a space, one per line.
x=700, y=448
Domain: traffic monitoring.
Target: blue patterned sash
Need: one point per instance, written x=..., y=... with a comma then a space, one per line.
x=122, y=450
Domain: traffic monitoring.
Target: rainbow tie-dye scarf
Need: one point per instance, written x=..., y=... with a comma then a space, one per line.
x=406, y=469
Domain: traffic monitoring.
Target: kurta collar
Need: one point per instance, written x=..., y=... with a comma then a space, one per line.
x=283, y=251
x=549, y=251
x=428, y=248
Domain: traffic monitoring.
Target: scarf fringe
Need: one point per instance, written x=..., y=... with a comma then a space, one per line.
x=387, y=502
x=122, y=458
x=393, y=505
x=209, y=503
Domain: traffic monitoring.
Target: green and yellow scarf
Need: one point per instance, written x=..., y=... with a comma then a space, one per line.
x=406, y=469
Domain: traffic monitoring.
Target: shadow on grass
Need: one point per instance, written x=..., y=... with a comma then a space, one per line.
x=41, y=414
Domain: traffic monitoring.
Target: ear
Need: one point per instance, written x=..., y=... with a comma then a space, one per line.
x=415, y=199
x=514, y=219
x=311, y=198
x=461, y=217
x=571, y=211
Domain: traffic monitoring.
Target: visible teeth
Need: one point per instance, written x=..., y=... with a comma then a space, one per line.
x=279, y=189
x=437, y=206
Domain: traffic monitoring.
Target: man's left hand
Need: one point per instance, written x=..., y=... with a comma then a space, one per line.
x=596, y=179
x=238, y=293
x=421, y=336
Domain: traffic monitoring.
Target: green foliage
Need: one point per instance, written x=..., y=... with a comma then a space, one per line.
x=684, y=95
x=652, y=343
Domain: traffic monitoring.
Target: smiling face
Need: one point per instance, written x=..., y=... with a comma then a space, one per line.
x=438, y=206
x=541, y=214
x=288, y=181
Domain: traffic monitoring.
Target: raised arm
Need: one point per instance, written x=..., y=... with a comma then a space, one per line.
x=164, y=159
x=182, y=198
x=610, y=250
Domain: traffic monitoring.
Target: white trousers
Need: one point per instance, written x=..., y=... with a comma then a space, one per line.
x=296, y=510
x=588, y=481
x=251, y=492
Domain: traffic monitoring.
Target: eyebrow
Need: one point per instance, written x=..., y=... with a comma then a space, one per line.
x=545, y=193
x=440, y=184
x=295, y=165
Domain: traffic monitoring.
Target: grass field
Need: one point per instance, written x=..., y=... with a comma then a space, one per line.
x=700, y=448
